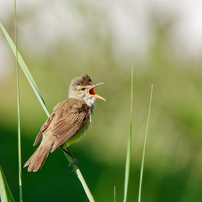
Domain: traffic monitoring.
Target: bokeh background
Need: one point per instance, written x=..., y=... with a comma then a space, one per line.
x=60, y=40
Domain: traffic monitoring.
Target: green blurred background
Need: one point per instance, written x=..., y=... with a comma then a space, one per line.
x=60, y=40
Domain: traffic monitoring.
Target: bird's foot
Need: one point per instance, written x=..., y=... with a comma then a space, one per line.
x=74, y=162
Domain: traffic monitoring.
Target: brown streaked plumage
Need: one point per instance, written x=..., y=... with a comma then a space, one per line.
x=67, y=122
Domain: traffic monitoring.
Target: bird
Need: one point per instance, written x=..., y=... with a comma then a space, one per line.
x=67, y=122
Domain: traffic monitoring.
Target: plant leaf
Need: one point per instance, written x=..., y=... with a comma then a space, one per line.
x=26, y=71
x=5, y=192
x=128, y=153
x=144, y=148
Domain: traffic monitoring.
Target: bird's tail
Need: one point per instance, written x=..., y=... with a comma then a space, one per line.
x=38, y=158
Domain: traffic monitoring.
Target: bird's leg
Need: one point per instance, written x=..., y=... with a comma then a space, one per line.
x=75, y=161
x=67, y=151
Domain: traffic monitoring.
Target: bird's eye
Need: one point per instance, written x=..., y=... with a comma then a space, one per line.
x=83, y=89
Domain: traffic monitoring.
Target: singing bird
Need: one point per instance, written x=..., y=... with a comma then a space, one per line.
x=68, y=121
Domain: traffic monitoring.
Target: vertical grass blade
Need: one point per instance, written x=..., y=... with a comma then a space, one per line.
x=36, y=90
x=144, y=148
x=128, y=153
x=114, y=193
x=18, y=111
x=5, y=192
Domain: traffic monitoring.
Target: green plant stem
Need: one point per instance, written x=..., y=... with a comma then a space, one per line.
x=80, y=177
x=25, y=70
x=18, y=111
x=114, y=193
x=144, y=148
x=128, y=153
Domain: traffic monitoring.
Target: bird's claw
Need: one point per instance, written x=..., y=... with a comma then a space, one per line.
x=74, y=162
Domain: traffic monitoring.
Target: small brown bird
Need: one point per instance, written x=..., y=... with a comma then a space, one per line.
x=67, y=122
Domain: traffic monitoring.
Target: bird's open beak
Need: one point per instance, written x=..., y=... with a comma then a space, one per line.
x=92, y=93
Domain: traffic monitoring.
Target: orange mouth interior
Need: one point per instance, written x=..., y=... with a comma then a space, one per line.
x=91, y=91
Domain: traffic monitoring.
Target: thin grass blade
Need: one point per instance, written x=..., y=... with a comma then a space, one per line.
x=114, y=193
x=81, y=178
x=25, y=70
x=5, y=192
x=18, y=112
x=144, y=148
x=128, y=153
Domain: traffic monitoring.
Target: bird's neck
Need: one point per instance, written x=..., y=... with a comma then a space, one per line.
x=89, y=101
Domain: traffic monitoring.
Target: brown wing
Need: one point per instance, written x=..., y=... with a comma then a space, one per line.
x=71, y=114
x=43, y=128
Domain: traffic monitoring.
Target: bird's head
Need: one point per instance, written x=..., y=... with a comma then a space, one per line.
x=82, y=88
